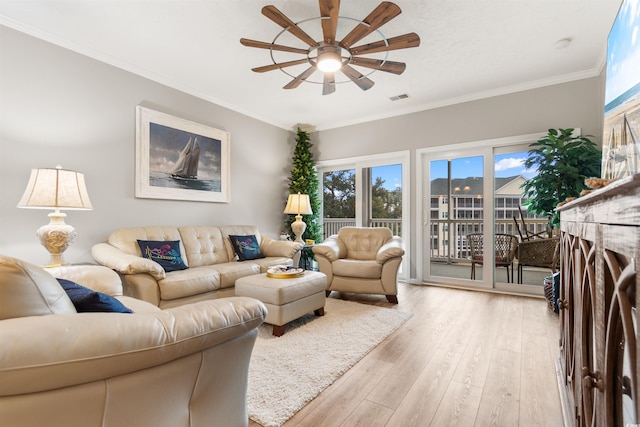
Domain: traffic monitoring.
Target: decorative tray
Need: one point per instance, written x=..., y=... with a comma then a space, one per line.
x=285, y=272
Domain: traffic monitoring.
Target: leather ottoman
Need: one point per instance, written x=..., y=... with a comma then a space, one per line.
x=286, y=299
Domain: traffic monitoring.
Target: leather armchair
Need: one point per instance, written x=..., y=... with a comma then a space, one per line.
x=361, y=260
x=177, y=367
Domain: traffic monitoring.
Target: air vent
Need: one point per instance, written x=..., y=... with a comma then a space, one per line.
x=399, y=97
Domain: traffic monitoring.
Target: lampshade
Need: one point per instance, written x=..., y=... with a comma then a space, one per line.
x=298, y=204
x=55, y=189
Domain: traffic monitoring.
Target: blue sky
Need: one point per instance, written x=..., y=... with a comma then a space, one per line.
x=390, y=174
x=623, y=51
x=504, y=164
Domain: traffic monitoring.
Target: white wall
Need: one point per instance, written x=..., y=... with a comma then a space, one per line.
x=59, y=107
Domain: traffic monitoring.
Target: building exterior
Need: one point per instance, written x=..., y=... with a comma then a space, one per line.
x=458, y=210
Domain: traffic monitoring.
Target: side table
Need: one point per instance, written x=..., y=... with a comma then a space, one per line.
x=306, y=258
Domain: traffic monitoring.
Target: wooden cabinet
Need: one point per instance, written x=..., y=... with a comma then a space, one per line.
x=599, y=347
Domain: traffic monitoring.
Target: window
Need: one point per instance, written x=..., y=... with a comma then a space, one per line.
x=369, y=191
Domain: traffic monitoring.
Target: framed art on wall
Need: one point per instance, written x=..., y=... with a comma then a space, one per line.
x=621, y=135
x=178, y=159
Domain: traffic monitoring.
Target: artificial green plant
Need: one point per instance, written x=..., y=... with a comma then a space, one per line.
x=304, y=180
x=562, y=161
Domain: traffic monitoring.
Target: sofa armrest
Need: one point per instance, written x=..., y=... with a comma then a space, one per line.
x=279, y=248
x=391, y=249
x=96, y=277
x=95, y=346
x=124, y=263
x=332, y=248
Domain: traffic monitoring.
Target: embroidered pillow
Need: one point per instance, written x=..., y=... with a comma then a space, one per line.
x=164, y=252
x=86, y=300
x=246, y=247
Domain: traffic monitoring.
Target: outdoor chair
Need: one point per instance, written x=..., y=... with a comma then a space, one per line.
x=535, y=249
x=543, y=253
x=505, y=251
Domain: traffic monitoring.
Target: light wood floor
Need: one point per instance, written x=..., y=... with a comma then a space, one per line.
x=465, y=358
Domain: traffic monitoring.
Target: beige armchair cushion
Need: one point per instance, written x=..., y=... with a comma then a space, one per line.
x=364, y=243
x=364, y=269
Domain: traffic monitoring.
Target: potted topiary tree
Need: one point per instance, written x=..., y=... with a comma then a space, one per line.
x=562, y=161
x=304, y=180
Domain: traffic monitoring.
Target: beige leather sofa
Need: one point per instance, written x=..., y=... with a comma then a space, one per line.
x=362, y=260
x=208, y=252
x=185, y=366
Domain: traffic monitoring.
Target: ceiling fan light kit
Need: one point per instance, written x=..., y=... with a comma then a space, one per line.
x=329, y=58
x=330, y=55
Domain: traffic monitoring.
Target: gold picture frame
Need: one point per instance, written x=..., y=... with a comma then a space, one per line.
x=177, y=159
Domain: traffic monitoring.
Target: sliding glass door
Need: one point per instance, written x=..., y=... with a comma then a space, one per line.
x=380, y=198
x=456, y=197
x=512, y=219
x=338, y=200
x=473, y=210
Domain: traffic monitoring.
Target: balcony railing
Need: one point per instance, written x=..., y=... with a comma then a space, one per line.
x=332, y=225
x=447, y=239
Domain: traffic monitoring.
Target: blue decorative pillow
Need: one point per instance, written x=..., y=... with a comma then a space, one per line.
x=246, y=247
x=86, y=300
x=164, y=252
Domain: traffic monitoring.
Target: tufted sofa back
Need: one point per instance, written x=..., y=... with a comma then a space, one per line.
x=204, y=245
x=362, y=243
x=199, y=245
x=126, y=239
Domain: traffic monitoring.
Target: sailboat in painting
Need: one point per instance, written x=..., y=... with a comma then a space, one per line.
x=187, y=165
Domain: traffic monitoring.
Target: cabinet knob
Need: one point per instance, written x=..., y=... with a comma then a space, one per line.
x=592, y=379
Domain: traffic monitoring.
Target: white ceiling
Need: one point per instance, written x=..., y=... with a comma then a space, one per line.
x=469, y=49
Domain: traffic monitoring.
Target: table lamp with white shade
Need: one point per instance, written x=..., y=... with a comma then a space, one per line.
x=56, y=189
x=298, y=205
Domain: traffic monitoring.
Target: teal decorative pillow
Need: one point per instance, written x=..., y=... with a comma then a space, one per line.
x=164, y=252
x=246, y=247
x=86, y=300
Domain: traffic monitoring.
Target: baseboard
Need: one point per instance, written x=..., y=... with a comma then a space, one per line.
x=567, y=412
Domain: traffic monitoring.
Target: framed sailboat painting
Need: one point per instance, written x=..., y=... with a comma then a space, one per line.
x=178, y=159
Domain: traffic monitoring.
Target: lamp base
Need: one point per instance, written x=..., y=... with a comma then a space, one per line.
x=56, y=237
x=298, y=227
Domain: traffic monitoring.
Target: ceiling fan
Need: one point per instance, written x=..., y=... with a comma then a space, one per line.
x=330, y=55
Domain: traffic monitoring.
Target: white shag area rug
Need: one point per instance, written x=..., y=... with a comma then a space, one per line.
x=286, y=373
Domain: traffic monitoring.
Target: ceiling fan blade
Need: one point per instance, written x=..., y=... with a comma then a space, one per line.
x=363, y=82
x=329, y=85
x=399, y=42
x=388, y=66
x=279, y=18
x=280, y=65
x=263, y=45
x=298, y=80
x=329, y=9
x=382, y=14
